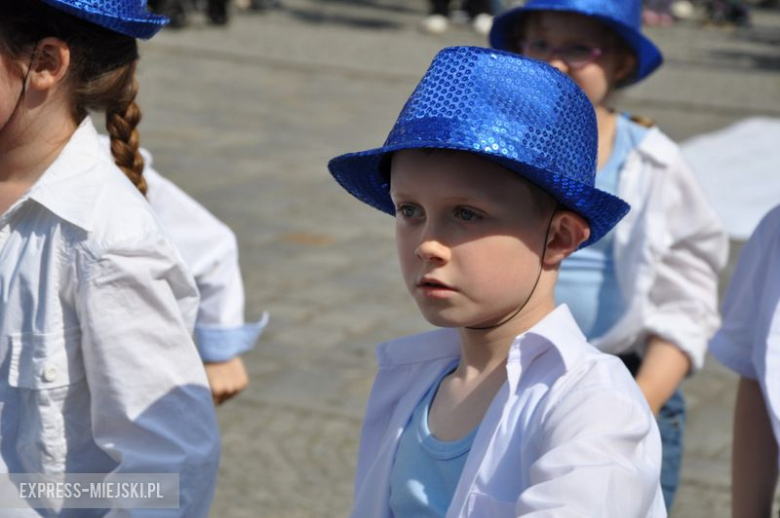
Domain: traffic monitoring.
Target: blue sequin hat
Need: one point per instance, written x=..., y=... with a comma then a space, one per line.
x=622, y=16
x=128, y=17
x=521, y=113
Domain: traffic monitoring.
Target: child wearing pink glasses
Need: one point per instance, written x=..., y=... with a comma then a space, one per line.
x=648, y=291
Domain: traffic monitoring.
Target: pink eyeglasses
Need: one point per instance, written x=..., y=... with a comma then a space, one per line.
x=575, y=56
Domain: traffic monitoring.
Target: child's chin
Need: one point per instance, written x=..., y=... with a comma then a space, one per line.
x=443, y=319
x=439, y=320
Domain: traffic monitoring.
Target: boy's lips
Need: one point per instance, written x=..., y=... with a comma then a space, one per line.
x=432, y=282
x=434, y=287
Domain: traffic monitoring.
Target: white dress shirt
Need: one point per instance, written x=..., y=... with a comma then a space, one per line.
x=749, y=340
x=210, y=250
x=669, y=250
x=568, y=434
x=98, y=370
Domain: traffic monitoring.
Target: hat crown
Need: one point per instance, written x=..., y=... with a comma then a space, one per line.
x=502, y=105
x=129, y=17
x=118, y=8
x=624, y=17
x=520, y=113
x=627, y=12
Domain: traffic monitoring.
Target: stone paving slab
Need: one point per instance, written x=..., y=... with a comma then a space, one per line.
x=245, y=118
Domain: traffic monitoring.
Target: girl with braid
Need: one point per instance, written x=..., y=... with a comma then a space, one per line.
x=98, y=370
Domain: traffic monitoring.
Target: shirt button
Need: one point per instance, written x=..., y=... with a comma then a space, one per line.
x=50, y=373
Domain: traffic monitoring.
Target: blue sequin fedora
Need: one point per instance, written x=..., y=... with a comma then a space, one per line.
x=622, y=16
x=129, y=17
x=521, y=113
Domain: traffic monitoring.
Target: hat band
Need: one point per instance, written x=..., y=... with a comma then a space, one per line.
x=621, y=11
x=451, y=133
x=490, y=140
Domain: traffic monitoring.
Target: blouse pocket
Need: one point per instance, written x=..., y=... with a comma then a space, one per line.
x=479, y=505
x=41, y=361
x=47, y=369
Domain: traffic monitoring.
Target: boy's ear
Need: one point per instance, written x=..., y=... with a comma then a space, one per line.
x=50, y=63
x=568, y=231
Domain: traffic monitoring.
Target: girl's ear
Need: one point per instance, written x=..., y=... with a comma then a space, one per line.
x=49, y=63
x=568, y=231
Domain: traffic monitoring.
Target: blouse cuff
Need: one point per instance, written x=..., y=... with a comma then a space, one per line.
x=220, y=343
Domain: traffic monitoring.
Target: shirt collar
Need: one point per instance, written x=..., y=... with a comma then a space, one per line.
x=70, y=185
x=557, y=330
x=424, y=347
x=658, y=147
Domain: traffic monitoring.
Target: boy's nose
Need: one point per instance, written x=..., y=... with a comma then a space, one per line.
x=432, y=250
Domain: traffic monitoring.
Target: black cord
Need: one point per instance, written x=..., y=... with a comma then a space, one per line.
x=539, y=276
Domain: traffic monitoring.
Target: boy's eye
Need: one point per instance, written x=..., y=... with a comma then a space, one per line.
x=466, y=214
x=407, y=211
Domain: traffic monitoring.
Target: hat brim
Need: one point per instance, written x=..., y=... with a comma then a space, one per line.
x=142, y=24
x=648, y=56
x=360, y=174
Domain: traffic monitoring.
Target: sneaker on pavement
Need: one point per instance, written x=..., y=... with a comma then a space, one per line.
x=482, y=24
x=434, y=24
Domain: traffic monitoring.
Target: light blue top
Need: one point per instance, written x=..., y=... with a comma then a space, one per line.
x=587, y=281
x=426, y=470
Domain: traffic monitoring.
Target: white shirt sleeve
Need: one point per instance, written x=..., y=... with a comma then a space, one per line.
x=748, y=308
x=153, y=411
x=598, y=453
x=684, y=297
x=210, y=250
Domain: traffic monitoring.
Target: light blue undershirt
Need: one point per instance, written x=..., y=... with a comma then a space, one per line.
x=426, y=470
x=587, y=281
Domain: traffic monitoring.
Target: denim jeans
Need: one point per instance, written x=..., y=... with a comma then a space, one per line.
x=671, y=423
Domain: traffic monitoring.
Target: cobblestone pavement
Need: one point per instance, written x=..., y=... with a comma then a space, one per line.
x=245, y=119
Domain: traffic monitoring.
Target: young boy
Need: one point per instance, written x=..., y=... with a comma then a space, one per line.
x=749, y=343
x=506, y=411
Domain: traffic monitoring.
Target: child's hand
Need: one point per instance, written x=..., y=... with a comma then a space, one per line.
x=226, y=379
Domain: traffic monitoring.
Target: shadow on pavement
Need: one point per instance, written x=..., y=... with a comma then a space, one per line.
x=316, y=17
x=741, y=58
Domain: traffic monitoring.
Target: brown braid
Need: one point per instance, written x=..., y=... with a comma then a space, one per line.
x=122, y=122
x=647, y=122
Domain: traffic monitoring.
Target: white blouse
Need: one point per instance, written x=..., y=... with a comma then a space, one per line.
x=98, y=370
x=669, y=250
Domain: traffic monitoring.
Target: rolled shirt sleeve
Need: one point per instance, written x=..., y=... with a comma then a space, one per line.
x=220, y=344
x=683, y=305
x=152, y=409
x=210, y=250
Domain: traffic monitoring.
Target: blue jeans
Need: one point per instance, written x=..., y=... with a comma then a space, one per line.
x=671, y=423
